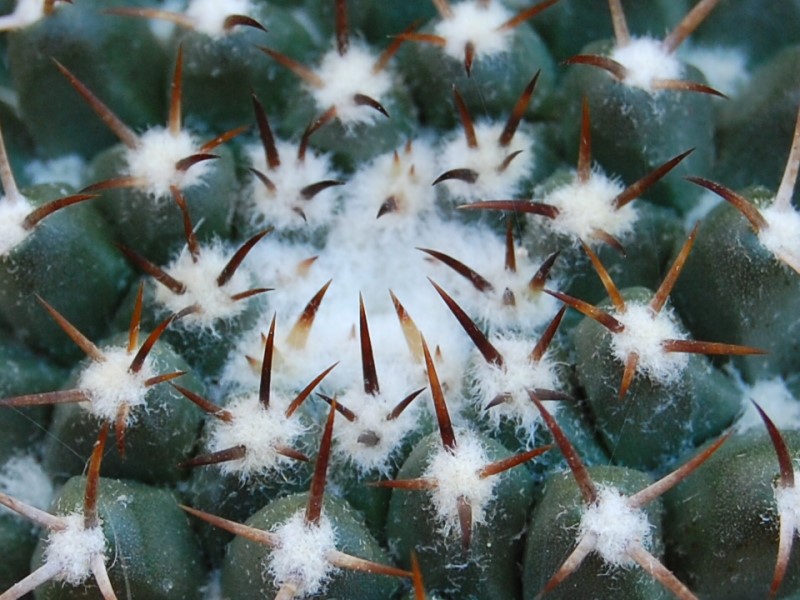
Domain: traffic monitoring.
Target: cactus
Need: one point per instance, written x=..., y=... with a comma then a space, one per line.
x=388, y=338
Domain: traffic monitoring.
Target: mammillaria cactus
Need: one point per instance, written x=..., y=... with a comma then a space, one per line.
x=418, y=394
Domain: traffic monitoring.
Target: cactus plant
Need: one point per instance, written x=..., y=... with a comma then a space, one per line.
x=402, y=181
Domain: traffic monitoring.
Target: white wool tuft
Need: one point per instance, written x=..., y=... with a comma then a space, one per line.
x=25, y=13
x=209, y=15
x=615, y=527
x=486, y=159
x=260, y=431
x=345, y=76
x=776, y=400
x=646, y=60
x=725, y=67
x=301, y=556
x=23, y=478
x=154, y=159
x=476, y=23
x=456, y=475
x=407, y=180
x=200, y=279
x=371, y=413
x=782, y=235
x=109, y=384
x=644, y=334
x=788, y=500
x=279, y=208
x=585, y=207
x=12, y=215
x=519, y=375
x=67, y=169
x=74, y=548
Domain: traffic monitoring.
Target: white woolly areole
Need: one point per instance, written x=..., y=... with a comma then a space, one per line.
x=646, y=60
x=382, y=437
x=615, y=527
x=110, y=385
x=23, y=478
x=724, y=67
x=776, y=400
x=473, y=22
x=12, y=215
x=200, y=279
x=486, y=160
x=456, y=475
x=68, y=169
x=644, y=334
x=260, y=430
x=153, y=161
x=788, y=500
x=209, y=15
x=513, y=380
x=585, y=207
x=25, y=13
x=406, y=179
x=301, y=556
x=345, y=76
x=279, y=207
x=74, y=548
x=782, y=235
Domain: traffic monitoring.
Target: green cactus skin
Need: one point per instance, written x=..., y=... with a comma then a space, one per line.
x=153, y=227
x=638, y=130
x=552, y=536
x=576, y=23
x=244, y=574
x=755, y=128
x=161, y=435
x=488, y=568
x=220, y=73
x=722, y=523
x=734, y=290
x=494, y=83
x=696, y=406
x=23, y=372
x=76, y=38
x=151, y=550
x=73, y=245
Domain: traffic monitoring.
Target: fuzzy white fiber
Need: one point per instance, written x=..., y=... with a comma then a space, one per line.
x=301, y=556
x=345, y=76
x=74, y=548
x=456, y=475
x=615, y=526
x=279, y=208
x=109, y=384
x=644, y=334
x=646, y=60
x=514, y=379
x=23, y=478
x=782, y=235
x=724, y=67
x=788, y=500
x=209, y=15
x=260, y=431
x=406, y=178
x=372, y=412
x=774, y=397
x=200, y=279
x=476, y=23
x=69, y=169
x=25, y=13
x=486, y=159
x=153, y=160
x=12, y=215
x=585, y=207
